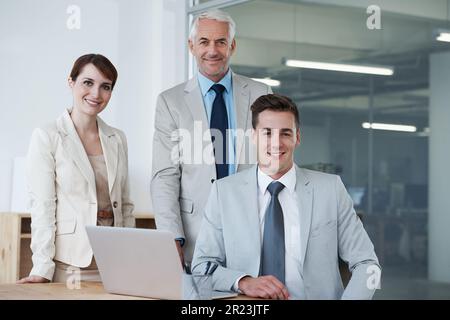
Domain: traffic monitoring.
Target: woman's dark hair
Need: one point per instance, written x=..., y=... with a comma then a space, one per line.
x=100, y=62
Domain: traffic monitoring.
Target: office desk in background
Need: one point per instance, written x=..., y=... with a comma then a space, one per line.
x=59, y=291
x=15, y=240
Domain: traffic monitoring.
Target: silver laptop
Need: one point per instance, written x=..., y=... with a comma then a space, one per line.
x=139, y=262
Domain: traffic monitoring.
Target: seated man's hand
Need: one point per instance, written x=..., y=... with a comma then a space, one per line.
x=267, y=287
x=32, y=279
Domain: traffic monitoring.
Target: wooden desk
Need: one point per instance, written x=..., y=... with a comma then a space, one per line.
x=145, y=220
x=59, y=291
x=15, y=240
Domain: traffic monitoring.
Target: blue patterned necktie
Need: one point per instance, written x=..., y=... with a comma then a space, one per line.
x=273, y=251
x=219, y=126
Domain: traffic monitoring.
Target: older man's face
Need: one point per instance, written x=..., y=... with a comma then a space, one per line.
x=212, y=49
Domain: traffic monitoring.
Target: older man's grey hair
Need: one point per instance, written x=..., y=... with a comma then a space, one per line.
x=214, y=14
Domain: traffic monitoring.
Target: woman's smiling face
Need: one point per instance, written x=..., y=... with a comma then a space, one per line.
x=91, y=91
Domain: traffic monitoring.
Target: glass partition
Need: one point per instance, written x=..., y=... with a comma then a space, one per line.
x=350, y=121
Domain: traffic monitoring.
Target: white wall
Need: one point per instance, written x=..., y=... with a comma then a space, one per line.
x=5, y=183
x=144, y=39
x=152, y=59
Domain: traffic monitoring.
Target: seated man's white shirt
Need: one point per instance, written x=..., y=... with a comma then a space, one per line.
x=289, y=204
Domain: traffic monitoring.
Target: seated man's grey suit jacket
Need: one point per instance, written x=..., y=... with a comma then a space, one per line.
x=329, y=228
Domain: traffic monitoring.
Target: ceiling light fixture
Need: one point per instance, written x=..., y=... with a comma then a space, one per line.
x=390, y=127
x=377, y=70
x=268, y=81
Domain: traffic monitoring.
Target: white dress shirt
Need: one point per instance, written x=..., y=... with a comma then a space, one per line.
x=289, y=205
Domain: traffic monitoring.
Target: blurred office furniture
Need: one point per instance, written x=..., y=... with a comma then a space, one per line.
x=398, y=223
x=145, y=220
x=398, y=226
x=399, y=238
x=15, y=240
x=416, y=196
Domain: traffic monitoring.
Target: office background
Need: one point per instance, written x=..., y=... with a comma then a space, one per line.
x=398, y=180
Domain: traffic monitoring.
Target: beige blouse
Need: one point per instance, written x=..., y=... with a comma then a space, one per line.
x=98, y=164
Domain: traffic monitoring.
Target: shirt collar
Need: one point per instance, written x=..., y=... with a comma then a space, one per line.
x=206, y=84
x=288, y=180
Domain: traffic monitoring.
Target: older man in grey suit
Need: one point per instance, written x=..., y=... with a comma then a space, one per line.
x=198, y=131
x=276, y=231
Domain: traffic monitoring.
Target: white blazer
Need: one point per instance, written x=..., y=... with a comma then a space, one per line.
x=63, y=197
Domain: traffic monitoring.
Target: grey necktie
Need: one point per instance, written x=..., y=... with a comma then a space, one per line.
x=272, y=255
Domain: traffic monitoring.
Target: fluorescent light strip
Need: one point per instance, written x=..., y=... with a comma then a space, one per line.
x=390, y=127
x=383, y=71
x=443, y=36
x=268, y=81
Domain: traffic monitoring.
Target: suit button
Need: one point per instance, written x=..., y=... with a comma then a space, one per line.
x=212, y=180
x=115, y=204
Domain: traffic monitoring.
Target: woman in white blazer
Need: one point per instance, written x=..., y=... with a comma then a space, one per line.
x=77, y=170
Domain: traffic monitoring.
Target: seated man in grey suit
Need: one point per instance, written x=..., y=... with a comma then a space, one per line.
x=277, y=231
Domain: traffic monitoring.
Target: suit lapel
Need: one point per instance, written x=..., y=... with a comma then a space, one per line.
x=74, y=148
x=249, y=189
x=241, y=105
x=110, y=151
x=304, y=192
x=194, y=101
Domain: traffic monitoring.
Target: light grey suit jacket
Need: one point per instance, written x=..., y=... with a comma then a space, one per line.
x=329, y=228
x=180, y=181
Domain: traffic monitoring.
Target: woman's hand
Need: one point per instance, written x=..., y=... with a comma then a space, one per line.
x=32, y=279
